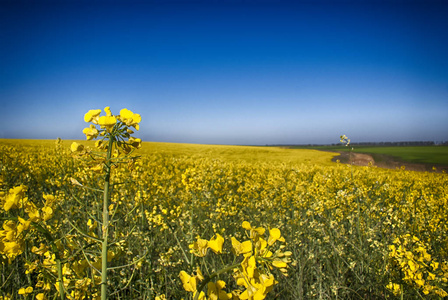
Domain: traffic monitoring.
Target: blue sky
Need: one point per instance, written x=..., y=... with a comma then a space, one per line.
x=228, y=72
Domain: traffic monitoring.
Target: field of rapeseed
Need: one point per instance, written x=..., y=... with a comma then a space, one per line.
x=117, y=218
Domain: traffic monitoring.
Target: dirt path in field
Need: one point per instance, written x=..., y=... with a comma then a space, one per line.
x=385, y=161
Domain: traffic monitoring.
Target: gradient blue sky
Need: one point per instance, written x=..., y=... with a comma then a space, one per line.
x=228, y=72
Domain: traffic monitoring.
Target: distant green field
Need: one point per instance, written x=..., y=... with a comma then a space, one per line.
x=437, y=155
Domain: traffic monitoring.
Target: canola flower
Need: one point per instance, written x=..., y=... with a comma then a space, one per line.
x=28, y=222
x=13, y=235
x=418, y=268
x=253, y=273
x=337, y=251
x=114, y=130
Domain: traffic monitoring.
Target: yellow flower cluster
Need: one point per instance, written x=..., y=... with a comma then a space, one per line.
x=190, y=179
x=410, y=255
x=116, y=126
x=129, y=118
x=254, y=274
x=199, y=248
x=107, y=122
x=13, y=235
x=190, y=283
x=254, y=271
x=114, y=133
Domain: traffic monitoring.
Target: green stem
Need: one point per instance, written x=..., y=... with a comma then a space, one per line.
x=55, y=250
x=193, y=204
x=60, y=277
x=179, y=243
x=106, y=196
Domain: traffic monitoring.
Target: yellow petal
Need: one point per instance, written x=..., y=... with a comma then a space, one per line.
x=185, y=278
x=260, y=230
x=212, y=292
x=11, y=201
x=126, y=113
x=107, y=111
x=25, y=291
x=137, y=118
x=246, y=225
x=75, y=147
x=246, y=247
x=199, y=274
x=274, y=235
x=107, y=121
x=221, y=284
x=47, y=213
x=41, y=296
x=216, y=244
x=91, y=114
x=279, y=264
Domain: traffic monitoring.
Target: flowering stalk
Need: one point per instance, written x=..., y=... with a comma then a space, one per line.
x=114, y=130
x=106, y=196
x=346, y=141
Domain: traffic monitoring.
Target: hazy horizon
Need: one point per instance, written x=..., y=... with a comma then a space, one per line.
x=239, y=73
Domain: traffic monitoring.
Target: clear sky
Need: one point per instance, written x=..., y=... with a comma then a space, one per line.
x=228, y=72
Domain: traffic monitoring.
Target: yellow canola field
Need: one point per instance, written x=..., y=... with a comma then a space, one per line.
x=249, y=154
x=353, y=232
